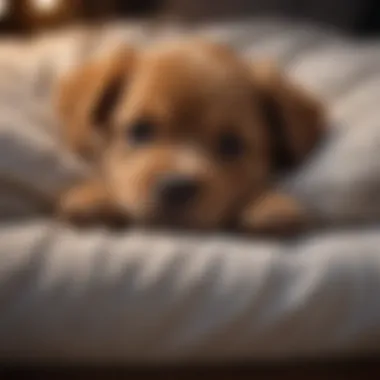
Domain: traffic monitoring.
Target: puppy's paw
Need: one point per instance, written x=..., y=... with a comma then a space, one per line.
x=88, y=204
x=275, y=213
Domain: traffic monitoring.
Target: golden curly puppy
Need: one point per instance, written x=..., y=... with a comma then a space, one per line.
x=185, y=134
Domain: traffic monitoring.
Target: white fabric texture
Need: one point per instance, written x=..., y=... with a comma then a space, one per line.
x=152, y=296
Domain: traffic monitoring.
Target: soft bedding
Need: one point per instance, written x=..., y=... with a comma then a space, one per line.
x=154, y=296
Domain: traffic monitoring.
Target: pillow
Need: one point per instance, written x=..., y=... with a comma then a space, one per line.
x=153, y=296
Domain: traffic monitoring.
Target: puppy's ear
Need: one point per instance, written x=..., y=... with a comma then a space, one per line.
x=87, y=98
x=295, y=120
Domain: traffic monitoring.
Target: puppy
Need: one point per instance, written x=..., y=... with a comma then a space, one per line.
x=185, y=134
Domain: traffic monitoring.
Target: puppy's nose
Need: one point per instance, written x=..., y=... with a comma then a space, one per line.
x=176, y=191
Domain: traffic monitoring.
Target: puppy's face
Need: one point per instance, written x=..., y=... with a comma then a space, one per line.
x=184, y=134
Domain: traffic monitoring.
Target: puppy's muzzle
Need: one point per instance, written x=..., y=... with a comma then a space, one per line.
x=175, y=193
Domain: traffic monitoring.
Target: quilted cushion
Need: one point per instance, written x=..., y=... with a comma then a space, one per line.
x=154, y=296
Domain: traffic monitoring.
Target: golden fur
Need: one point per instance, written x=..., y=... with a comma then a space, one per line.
x=190, y=103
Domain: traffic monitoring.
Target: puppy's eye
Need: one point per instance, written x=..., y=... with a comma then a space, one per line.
x=230, y=146
x=141, y=132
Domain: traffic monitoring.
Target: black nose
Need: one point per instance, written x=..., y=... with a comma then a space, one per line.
x=176, y=191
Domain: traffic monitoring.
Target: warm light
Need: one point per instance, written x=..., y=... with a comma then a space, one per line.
x=4, y=8
x=45, y=6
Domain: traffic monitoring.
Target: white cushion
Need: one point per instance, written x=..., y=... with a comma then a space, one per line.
x=156, y=296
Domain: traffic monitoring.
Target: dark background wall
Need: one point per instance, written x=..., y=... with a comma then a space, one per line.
x=357, y=16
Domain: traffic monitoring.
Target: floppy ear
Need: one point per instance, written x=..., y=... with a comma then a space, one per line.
x=295, y=120
x=87, y=97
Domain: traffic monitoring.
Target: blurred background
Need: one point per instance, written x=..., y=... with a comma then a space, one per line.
x=27, y=17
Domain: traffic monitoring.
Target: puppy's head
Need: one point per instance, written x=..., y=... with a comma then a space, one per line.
x=185, y=133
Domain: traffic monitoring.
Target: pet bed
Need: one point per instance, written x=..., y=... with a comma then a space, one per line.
x=138, y=296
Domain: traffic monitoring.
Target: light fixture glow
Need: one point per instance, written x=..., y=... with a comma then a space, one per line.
x=4, y=8
x=45, y=6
